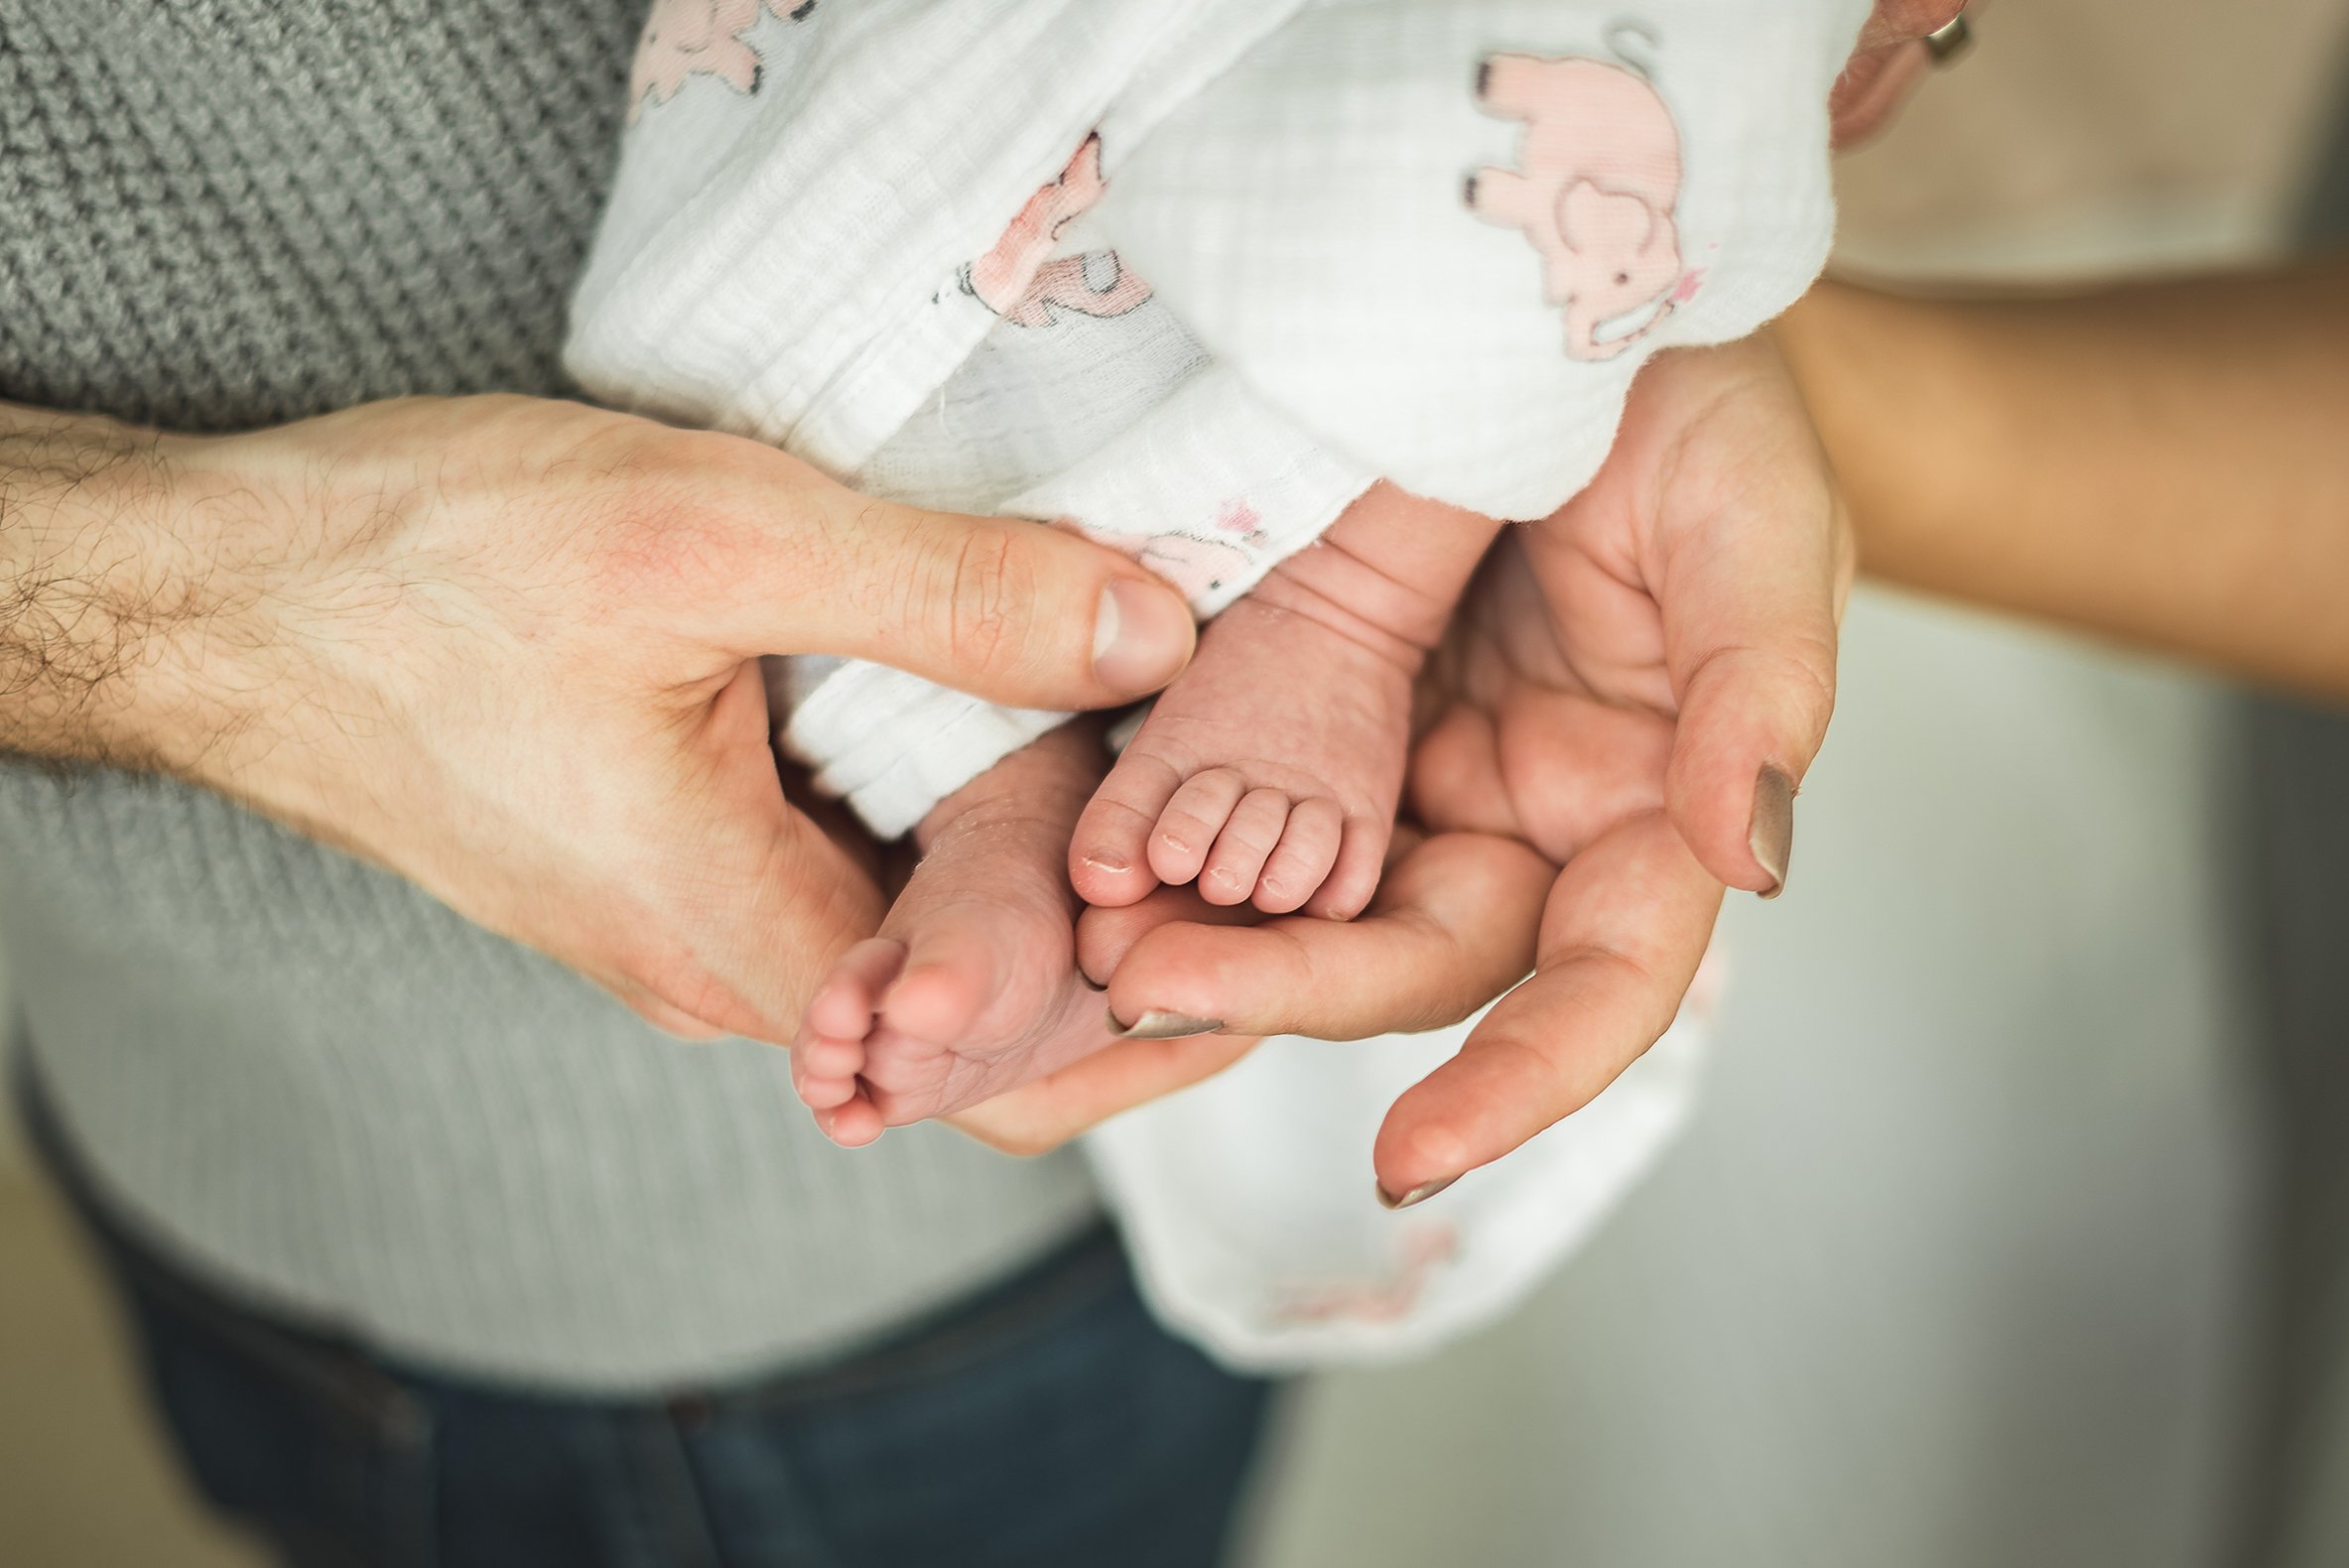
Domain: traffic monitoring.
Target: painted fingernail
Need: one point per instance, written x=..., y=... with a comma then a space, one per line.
x=1420, y=1194
x=1770, y=835
x=1141, y=637
x=1163, y=1026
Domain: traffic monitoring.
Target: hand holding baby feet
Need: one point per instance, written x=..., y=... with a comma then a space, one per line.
x=1268, y=773
x=971, y=988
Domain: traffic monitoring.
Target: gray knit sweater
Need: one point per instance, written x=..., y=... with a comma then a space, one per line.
x=299, y=1076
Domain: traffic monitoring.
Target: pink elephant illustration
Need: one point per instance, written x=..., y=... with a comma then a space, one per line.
x=1598, y=181
x=1196, y=564
x=1015, y=280
x=1425, y=1250
x=684, y=39
x=1068, y=284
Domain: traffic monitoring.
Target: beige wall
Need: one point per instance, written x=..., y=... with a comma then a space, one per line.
x=2090, y=134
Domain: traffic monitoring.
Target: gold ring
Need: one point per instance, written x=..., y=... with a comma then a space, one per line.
x=1946, y=44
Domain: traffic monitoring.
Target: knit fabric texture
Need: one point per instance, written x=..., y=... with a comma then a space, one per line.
x=297, y=1075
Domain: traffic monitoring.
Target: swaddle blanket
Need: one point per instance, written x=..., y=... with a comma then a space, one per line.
x=1187, y=276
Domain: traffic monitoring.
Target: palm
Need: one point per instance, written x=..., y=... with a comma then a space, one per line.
x=1669, y=629
x=1587, y=766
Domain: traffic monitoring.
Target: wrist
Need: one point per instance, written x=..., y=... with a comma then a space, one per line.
x=126, y=625
x=80, y=593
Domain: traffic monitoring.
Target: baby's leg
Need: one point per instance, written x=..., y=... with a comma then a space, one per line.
x=1271, y=768
x=971, y=988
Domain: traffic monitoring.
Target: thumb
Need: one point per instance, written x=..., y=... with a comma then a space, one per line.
x=1001, y=607
x=1749, y=572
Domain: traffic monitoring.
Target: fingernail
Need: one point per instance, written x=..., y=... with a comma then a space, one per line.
x=1420, y=1194
x=1162, y=1027
x=1771, y=836
x=1141, y=637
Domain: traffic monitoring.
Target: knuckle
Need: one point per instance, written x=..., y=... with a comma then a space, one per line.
x=681, y=509
x=981, y=591
x=1798, y=673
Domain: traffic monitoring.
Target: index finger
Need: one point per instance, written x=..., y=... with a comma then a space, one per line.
x=1451, y=928
x=1040, y=1117
x=1623, y=933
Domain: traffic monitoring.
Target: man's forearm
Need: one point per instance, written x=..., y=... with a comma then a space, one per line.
x=130, y=613
x=77, y=603
x=2163, y=463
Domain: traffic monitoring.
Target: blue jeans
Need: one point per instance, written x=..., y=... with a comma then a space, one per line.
x=1049, y=1422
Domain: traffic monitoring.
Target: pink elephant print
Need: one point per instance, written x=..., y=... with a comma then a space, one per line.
x=1014, y=280
x=1098, y=284
x=1424, y=1251
x=684, y=39
x=1196, y=564
x=1597, y=183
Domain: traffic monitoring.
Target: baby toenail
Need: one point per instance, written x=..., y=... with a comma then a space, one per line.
x=1107, y=863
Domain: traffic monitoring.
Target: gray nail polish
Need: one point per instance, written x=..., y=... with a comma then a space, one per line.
x=1770, y=834
x=1420, y=1194
x=1163, y=1026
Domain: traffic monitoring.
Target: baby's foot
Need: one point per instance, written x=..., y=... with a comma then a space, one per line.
x=1268, y=772
x=1271, y=769
x=971, y=988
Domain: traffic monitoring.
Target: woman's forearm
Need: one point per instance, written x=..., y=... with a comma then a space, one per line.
x=2164, y=464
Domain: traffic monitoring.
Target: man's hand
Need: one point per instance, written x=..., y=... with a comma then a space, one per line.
x=509, y=647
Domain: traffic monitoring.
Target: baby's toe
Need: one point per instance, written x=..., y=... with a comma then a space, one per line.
x=844, y=1004
x=1241, y=848
x=1189, y=828
x=851, y=1125
x=823, y=1070
x=826, y=1094
x=822, y=1056
x=1299, y=863
x=1362, y=858
x=1109, y=852
x=1109, y=857
x=949, y=978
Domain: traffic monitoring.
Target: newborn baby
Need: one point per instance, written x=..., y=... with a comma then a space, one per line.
x=1286, y=249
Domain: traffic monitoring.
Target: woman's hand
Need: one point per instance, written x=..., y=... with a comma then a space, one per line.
x=1638, y=697
x=1450, y=927
x=509, y=647
x=1888, y=65
x=1625, y=683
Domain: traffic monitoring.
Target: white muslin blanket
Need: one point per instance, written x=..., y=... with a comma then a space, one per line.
x=1188, y=276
